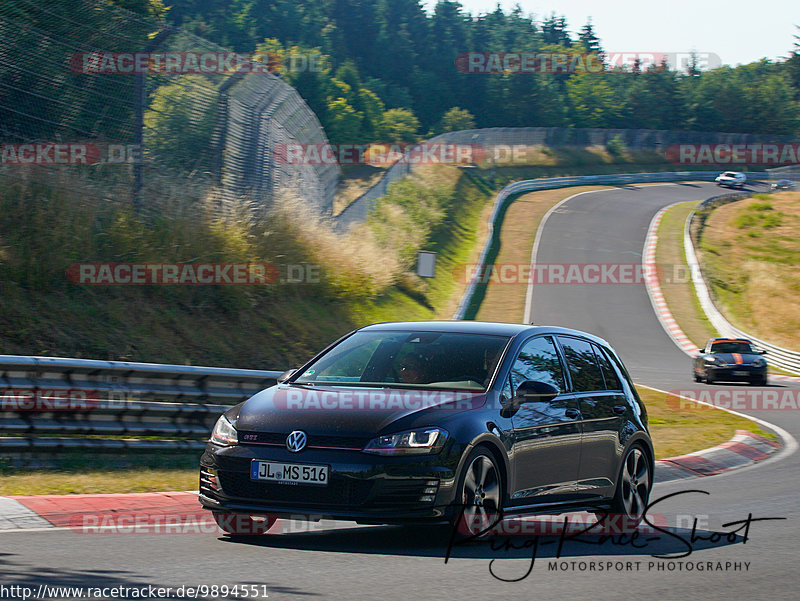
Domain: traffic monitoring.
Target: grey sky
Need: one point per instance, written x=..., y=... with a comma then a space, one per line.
x=736, y=31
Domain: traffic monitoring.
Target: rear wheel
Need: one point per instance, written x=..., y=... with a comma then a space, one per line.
x=480, y=494
x=242, y=524
x=633, y=487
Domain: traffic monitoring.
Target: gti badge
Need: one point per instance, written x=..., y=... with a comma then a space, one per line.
x=296, y=441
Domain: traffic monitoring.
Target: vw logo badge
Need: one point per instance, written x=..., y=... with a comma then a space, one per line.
x=296, y=441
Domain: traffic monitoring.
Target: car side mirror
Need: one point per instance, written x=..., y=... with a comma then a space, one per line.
x=286, y=375
x=762, y=352
x=533, y=391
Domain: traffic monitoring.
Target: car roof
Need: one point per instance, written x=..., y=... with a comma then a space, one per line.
x=495, y=328
x=731, y=340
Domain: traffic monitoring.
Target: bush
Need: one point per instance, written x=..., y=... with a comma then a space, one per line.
x=616, y=147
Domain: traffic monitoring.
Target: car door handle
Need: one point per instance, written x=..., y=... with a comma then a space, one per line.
x=619, y=409
x=573, y=413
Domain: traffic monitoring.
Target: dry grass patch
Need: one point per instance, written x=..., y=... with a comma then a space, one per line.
x=681, y=426
x=750, y=251
x=353, y=183
x=97, y=482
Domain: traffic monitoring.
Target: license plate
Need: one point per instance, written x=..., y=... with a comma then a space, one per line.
x=741, y=373
x=289, y=473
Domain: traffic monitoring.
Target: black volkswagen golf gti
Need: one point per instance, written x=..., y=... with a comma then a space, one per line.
x=435, y=421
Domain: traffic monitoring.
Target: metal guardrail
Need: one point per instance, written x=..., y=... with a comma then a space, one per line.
x=507, y=194
x=778, y=356
x=56, y=403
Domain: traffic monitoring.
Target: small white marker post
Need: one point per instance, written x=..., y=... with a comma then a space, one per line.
x=426, y=264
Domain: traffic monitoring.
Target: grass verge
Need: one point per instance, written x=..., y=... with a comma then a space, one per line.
x=750, y=250
x=679, y=427
x=363, y=276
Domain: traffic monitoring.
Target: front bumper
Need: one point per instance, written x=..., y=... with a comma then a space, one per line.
x=361, y=487
x=736, y=373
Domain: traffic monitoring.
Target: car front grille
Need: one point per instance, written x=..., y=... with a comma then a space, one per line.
x=341, y=492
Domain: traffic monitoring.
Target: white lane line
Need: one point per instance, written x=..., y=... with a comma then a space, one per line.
x=527, y=315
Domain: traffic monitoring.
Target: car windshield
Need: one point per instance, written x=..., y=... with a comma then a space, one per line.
x=730, y=174
x=731, y=347
x=409, y=359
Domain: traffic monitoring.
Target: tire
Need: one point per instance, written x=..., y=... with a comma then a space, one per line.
x=242, y=524
x=709, y=379
x=697, y=378
x=479, y=499
x=759, y=381
x=633, y=487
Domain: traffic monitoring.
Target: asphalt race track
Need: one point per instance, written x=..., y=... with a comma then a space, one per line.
x=339, y=560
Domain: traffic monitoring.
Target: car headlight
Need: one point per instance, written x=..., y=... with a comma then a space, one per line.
x=711, y=360
x=224, y=433
x=759, y=362
x=412, y=442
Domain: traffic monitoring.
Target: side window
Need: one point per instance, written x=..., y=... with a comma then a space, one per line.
x=538, y=360
x=582, y=365
x=610, y=376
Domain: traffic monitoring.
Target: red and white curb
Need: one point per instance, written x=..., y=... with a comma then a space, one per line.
x=653, y=286
x=745, y=448
x=155, y=513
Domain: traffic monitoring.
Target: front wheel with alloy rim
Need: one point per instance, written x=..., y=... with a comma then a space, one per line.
x=480, y=495
x=633, y=487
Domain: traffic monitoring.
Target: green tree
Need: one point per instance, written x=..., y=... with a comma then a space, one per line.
x=454, y=120
x=399, y=125
x=589, y=39
x=793, y=65
x=655, y=100
x=179, y=124
x=593, y=101
x=342, y=122
x=554, y=31
x=372, y=114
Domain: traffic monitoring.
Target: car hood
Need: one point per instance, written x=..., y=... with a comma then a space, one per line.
x=736, y=358
x=346, y=411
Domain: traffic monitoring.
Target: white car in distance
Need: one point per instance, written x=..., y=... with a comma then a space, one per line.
x=731, y=179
